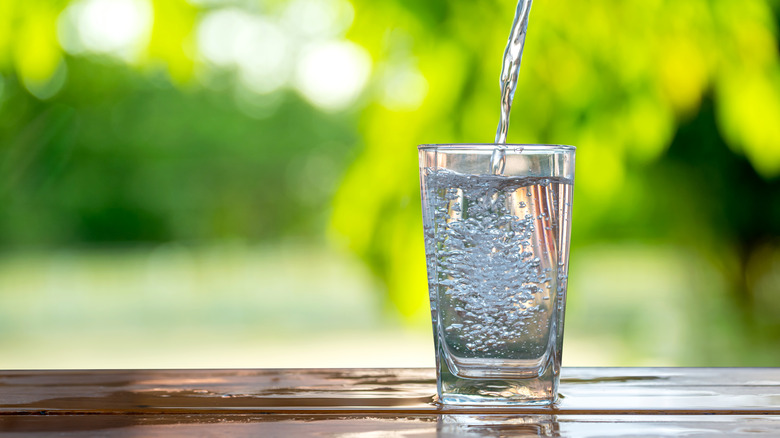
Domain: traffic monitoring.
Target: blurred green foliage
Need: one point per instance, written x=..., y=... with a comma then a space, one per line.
x=616, y=79
x=129, y=154
x=673, y=105
x=114, y=158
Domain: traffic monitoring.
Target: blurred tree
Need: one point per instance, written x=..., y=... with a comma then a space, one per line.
x=623, y=81
x=149, y=121
x=111, y=146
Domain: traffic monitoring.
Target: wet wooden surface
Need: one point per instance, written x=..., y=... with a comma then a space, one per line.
x=383, y=403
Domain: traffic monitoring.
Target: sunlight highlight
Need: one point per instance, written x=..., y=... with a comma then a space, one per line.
x=319, y=18
x=119, y=28
x=257, y=47
x=331, y=75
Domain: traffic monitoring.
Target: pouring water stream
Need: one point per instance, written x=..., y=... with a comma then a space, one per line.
x=511, y=66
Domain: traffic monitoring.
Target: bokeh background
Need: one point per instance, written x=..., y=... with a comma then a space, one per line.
x=210, y=183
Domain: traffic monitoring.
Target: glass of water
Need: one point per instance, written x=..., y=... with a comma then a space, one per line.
x=497, y=247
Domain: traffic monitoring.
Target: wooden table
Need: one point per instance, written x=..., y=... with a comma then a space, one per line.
x=383, y=403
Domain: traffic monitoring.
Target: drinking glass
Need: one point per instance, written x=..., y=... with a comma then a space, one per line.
x=497, y=249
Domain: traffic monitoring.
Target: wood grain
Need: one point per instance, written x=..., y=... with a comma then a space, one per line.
x=389, y=402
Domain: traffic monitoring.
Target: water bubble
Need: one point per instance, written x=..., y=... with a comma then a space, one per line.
x=491, y=264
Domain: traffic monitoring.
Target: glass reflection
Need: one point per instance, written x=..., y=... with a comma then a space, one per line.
x=497, y=425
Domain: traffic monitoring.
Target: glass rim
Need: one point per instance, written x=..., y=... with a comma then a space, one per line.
x=510, y=147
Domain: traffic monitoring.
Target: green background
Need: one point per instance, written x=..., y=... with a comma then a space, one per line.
x=157, y=200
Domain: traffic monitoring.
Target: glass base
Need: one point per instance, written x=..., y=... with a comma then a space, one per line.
x=541, y=390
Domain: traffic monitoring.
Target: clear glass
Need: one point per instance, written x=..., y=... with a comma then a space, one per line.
x=497, y=249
